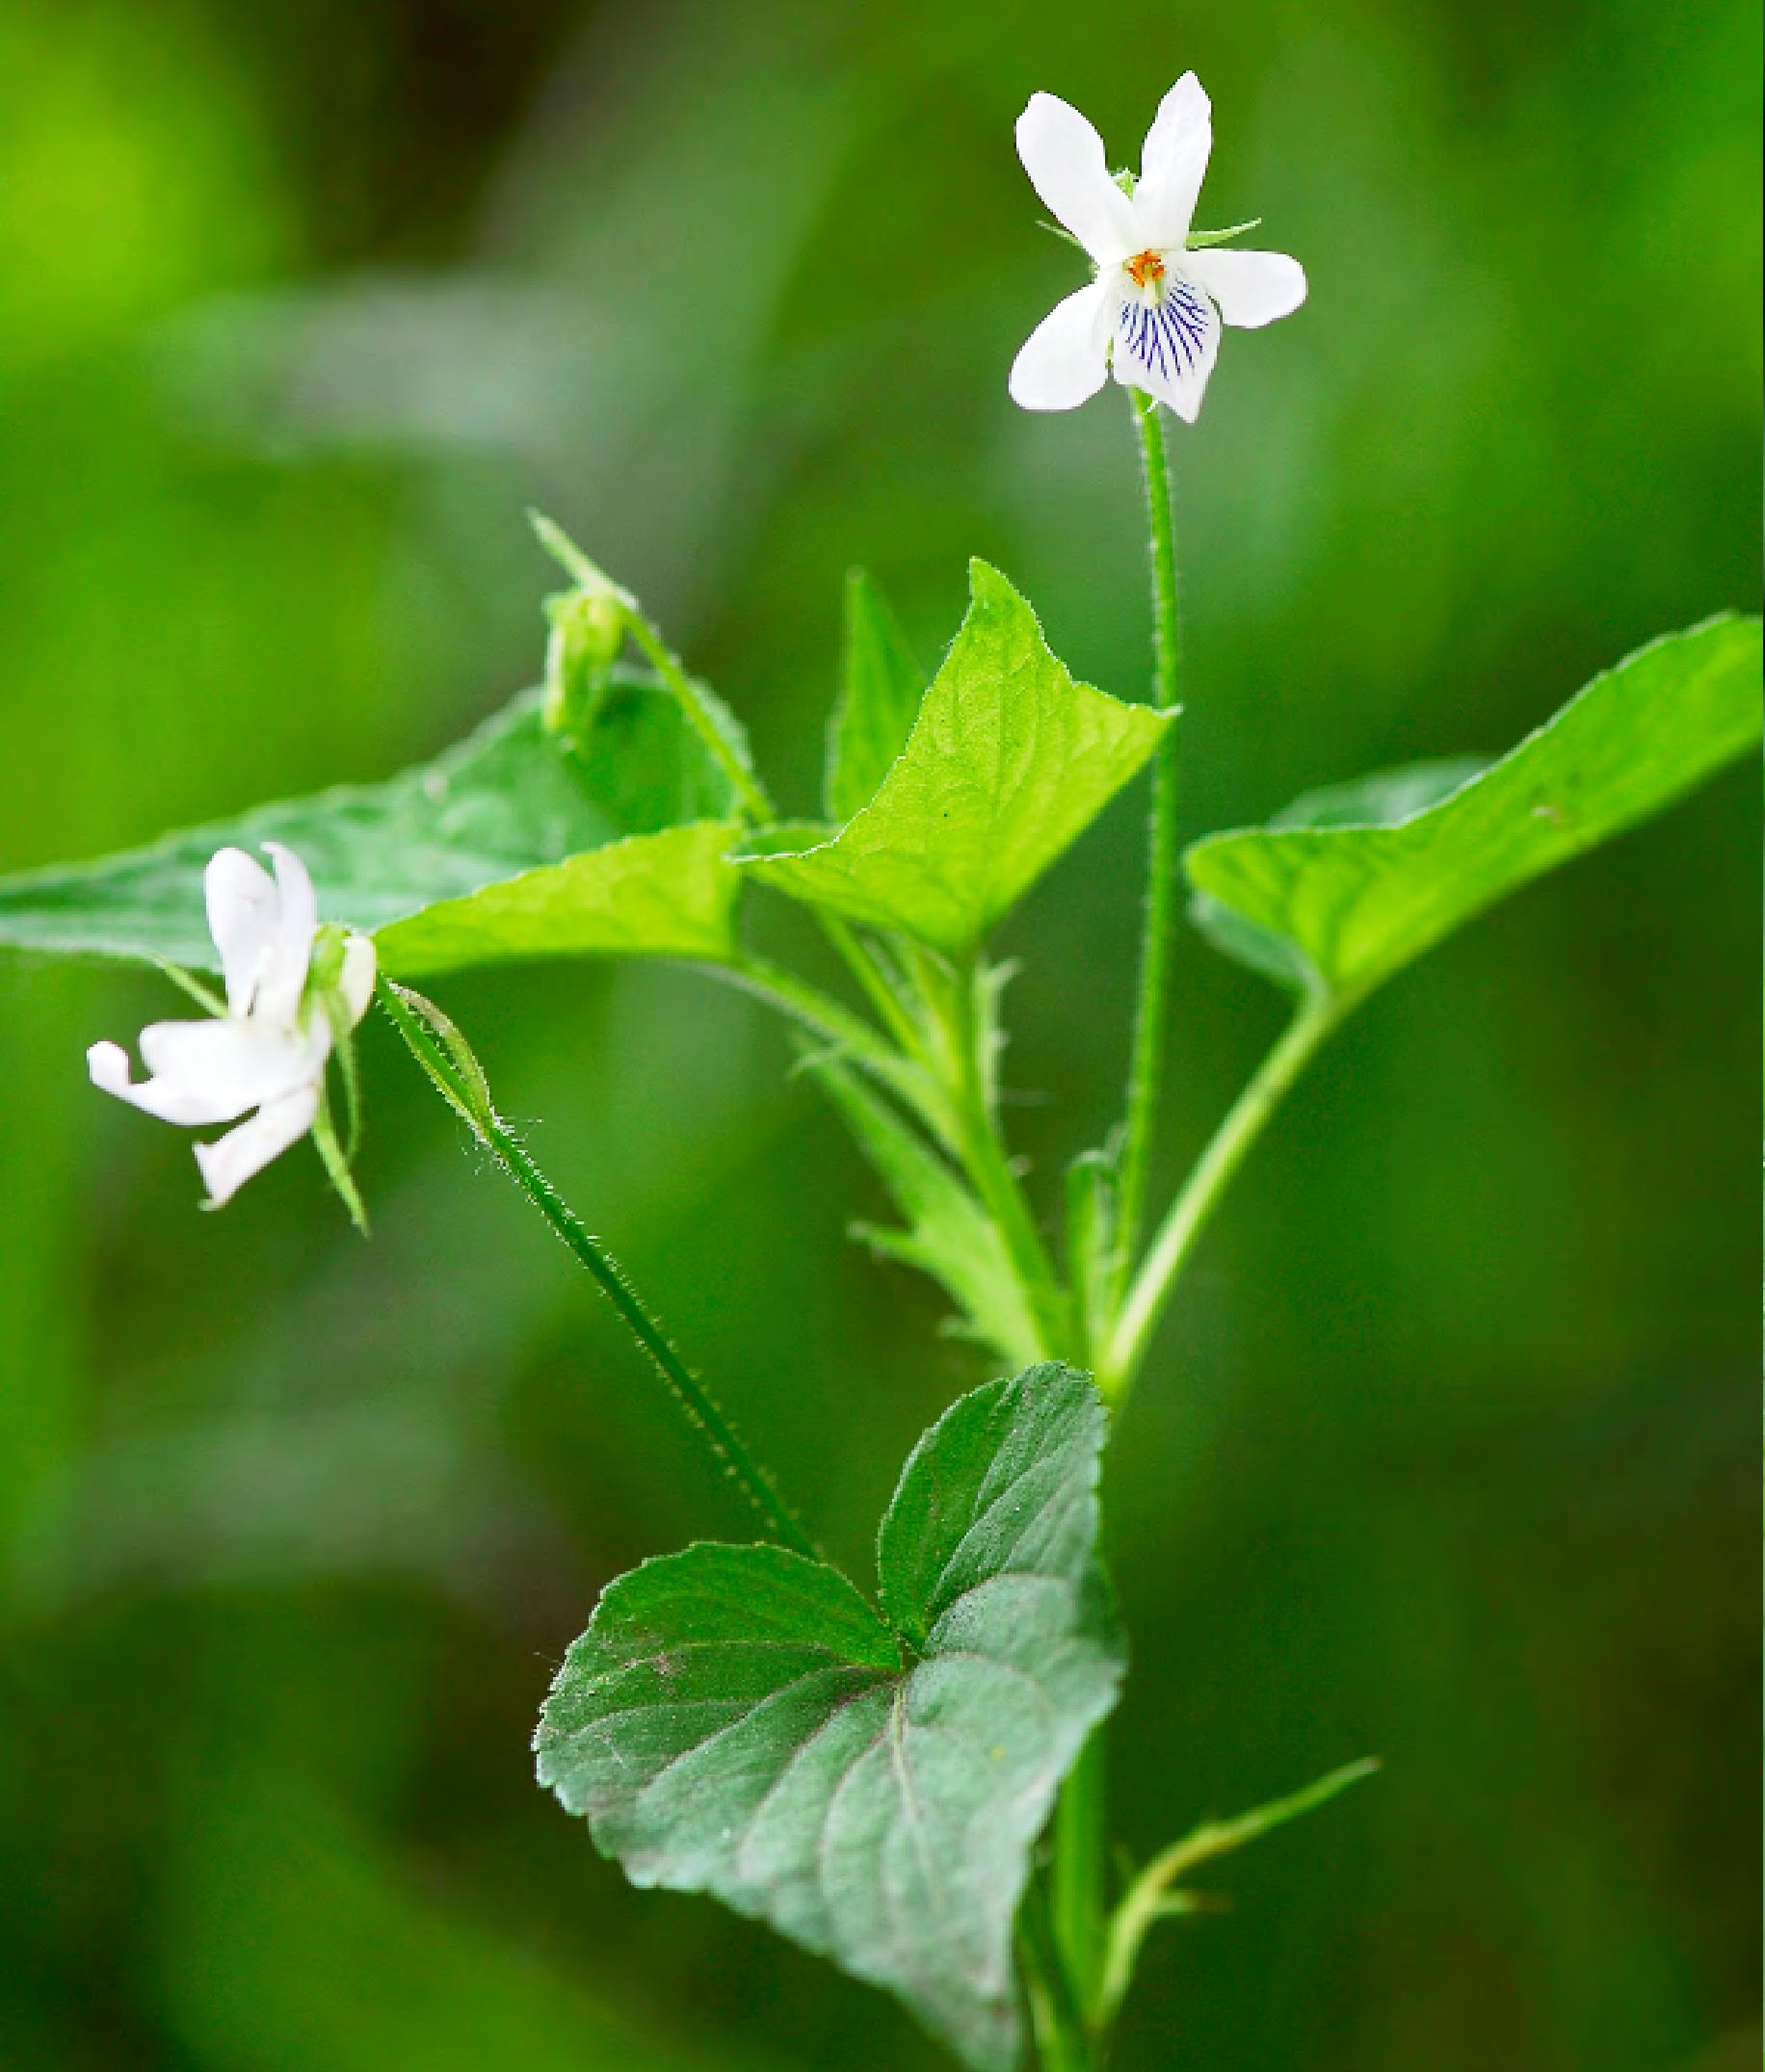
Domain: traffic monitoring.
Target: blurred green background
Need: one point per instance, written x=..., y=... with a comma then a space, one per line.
x=1448, y=1453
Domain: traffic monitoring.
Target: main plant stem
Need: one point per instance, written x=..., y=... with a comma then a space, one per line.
x=1147, y=1064
x=469, y=1100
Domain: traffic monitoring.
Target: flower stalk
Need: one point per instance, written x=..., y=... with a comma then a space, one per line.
x=1146, y=1071
x=438, y=1047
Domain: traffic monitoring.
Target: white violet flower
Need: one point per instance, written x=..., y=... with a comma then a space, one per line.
x=1152, y=315
x=267, y=1053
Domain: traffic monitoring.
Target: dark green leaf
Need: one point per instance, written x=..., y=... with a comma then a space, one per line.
x=1337, y=909
x=511, y=845
x=879, y=700
x=737, y=1721
x=1009, y=761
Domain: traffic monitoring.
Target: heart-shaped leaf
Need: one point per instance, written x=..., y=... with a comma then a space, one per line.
x=511, y=845
x=1337, y=909
x=738, y=1720
x=1008, y=763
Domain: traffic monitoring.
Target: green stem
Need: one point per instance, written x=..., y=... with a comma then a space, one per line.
x=469, y=1100
x=807, y=1005
x=1063, y=2040
x=1150, y=1897
x=1147, y=1064
x=878, y=990
x=752, y=793
x=906, y=1077
x=1078, y=1872
x=1244, y=1123
x=983, y=1151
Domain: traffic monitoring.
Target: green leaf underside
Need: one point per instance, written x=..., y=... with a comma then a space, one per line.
x=879, y=697
x=1007, y=762
x=948, y=1236
x=1335, y=910
x=508, y=844
x=737, y=1721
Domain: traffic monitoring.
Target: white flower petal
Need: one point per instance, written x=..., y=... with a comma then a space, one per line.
x=170, y=1098
x=279, y=988
x=1063, y=155
x=357, y=982
x=223, y=1067
x=229, y=1164
x=1167, y=350
x=1251, y=287
x=1173, y=165
x=244, y=909
x=1065, y=357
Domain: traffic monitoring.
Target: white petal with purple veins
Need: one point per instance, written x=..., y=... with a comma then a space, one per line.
x=1169, y=348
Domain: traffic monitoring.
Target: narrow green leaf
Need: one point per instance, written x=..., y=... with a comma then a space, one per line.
x=510, y=845
x=1007, y=762
x=737, y=1721
x=949, y=1236
x=878, y=704
x=1337, y=909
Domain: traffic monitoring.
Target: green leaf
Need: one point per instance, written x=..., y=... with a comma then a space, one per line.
x=737, y=1721
x=1382, y=800
x=949, y=1236
x=671, y=894
x=1007, y=762
x=1337, y=909
x=879, y=700
x=511, y=845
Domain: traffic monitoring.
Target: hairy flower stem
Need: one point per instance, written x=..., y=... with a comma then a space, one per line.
x=1079, y=1869
x=466, y=1094
x=1147, y=1064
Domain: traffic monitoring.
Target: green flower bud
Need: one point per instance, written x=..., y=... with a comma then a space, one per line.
x=587, y=632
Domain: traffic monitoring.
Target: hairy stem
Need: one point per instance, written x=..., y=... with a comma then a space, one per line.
x=1188, y=1213
x=468, y=1097
x=1146, y=1063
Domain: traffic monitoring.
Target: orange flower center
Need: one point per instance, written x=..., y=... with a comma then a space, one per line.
x=1144, y=266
